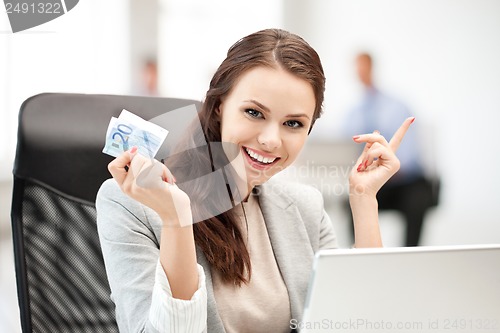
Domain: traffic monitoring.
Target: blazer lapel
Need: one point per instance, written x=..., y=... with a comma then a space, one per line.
x=290, y=243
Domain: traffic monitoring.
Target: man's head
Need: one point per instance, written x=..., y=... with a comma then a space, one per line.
x=364, y=68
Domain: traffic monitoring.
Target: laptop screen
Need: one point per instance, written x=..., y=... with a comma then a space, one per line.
x=421, y=289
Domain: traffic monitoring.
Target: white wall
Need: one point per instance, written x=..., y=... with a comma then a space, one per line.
x=83, y=51
x=195, y=36
x=442, y=57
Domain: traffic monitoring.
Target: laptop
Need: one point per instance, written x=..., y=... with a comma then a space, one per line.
x=419, y=289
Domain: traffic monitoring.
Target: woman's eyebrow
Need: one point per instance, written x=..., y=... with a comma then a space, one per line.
x=260, y=105
x=297, y=115
x=266, y=109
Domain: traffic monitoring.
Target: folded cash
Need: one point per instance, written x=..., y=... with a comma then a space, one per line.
x=129, y=130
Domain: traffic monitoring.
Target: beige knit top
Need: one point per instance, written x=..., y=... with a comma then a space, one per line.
x=262, y=305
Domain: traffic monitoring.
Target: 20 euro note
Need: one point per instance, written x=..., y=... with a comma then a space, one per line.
x=129, y=130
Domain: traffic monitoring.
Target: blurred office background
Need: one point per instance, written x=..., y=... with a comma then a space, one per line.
x=442, y=57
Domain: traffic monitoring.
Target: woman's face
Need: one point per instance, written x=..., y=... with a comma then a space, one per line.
x=267, y=115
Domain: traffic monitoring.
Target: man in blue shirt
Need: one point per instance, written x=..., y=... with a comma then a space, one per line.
x=408, y=191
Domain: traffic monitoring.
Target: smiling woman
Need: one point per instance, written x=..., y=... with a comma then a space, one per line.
x=245, y=269
x=267, y=115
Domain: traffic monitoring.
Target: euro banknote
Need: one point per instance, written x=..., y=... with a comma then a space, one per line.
x=129, y=130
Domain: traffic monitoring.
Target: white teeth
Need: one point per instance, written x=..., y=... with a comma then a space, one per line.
x=260, y=158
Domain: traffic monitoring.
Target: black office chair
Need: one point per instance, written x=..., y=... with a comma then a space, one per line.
x=61, y=281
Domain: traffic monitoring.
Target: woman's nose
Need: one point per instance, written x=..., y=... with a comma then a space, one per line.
x=270, y=137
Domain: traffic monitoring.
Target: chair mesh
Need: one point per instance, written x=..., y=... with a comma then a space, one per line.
x=68, y=288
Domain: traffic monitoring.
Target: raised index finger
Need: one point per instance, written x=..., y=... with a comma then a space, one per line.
x=400, y=133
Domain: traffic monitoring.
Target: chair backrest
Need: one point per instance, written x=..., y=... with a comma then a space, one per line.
x=59, y=167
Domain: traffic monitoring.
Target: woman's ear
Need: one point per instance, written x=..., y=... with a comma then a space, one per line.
x=218, y=112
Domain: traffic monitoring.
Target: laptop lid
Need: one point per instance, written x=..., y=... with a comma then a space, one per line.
x=420, y=289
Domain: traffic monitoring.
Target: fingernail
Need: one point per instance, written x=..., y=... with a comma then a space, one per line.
x=355, y=137
x=359, y=167
x=412, y=120
x=133, y=150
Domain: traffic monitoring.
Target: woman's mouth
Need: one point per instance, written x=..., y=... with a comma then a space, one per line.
x=258, y=160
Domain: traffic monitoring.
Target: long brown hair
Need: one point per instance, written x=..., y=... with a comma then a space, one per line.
x=219, y=237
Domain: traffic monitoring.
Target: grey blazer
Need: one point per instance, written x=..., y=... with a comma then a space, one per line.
x=129, y=233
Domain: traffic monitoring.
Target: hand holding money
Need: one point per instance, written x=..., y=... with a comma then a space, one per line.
x=151, y=183
x=129, y=130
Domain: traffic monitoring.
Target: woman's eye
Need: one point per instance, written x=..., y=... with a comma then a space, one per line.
x=253, y=113
x=294, y=124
